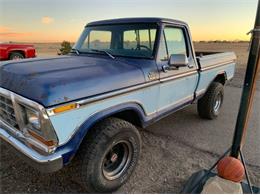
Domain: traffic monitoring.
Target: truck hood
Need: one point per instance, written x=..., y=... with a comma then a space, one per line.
x=58, y=80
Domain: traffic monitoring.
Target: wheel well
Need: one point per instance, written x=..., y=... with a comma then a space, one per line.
x=221, y=78
x=16, y=51
x=129, y=115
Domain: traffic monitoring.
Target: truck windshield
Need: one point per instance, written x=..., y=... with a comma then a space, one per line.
x=129, y=40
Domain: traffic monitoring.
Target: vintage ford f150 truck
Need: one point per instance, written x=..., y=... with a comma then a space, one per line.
x=121, y=74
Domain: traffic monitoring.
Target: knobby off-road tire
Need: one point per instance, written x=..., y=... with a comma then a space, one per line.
x=16, y=56
x=210, y=104
x=108, y=156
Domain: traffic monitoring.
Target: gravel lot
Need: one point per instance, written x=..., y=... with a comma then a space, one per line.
x=172, y=150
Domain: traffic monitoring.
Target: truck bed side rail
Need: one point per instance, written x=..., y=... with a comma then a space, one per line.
x=214, y=60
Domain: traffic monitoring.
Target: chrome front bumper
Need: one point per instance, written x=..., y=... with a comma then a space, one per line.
x=50, y=163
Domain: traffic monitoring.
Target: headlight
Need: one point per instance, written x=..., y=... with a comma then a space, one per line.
x=38, y=128
x=33, y=119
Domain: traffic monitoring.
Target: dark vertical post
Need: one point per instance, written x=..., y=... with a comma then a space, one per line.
x=248, y=89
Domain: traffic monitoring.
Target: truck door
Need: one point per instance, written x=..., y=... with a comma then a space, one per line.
x=177, y=86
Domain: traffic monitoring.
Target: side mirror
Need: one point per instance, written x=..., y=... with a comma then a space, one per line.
x=178, y=60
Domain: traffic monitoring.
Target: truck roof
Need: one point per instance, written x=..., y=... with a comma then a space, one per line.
x=136, y=20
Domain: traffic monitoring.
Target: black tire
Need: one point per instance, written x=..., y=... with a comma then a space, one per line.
x=210, y=104
x=16, y=56
x=96, y=151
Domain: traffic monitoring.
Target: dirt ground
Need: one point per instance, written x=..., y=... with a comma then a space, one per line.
x=172, y=148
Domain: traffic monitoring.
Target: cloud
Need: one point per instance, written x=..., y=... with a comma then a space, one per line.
x=47, y=20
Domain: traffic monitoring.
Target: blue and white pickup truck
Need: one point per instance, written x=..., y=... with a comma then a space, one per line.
x=121, y=74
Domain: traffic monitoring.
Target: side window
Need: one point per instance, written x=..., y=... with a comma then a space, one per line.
x=162, y=54
x=175, y=39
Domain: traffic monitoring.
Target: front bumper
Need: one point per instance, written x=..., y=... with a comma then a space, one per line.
x=50, y=163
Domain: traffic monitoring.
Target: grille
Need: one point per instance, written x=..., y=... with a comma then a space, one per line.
x=7, y=111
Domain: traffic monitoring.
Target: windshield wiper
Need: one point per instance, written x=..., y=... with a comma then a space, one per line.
x=103, y=51
x=75, y=50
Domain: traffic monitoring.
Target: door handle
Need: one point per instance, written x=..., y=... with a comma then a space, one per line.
x=166, y=68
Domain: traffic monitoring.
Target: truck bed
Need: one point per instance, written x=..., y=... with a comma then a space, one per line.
x=209, y=59
x=212, y=64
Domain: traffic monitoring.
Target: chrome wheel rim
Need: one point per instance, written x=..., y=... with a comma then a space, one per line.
x=218, y=102
x=117, y=160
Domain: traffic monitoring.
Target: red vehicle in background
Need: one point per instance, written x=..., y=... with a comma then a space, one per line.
x=9, y=51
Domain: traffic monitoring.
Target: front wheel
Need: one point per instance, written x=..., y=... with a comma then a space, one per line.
x=210, y=104
x=109, y=155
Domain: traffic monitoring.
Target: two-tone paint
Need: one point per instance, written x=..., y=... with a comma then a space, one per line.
x=103, y=87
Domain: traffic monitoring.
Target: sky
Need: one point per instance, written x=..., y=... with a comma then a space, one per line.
x=58, y=20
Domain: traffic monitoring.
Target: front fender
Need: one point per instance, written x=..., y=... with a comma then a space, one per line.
x=71, y=147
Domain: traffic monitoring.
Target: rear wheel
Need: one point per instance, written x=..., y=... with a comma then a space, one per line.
x=16, y=56
x=108, y=156
x=210, y=104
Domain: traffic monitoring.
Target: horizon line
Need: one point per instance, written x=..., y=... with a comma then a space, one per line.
x=6, y=42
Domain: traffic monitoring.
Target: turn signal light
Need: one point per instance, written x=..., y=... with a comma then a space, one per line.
x=47, y=143
x=64, y=108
